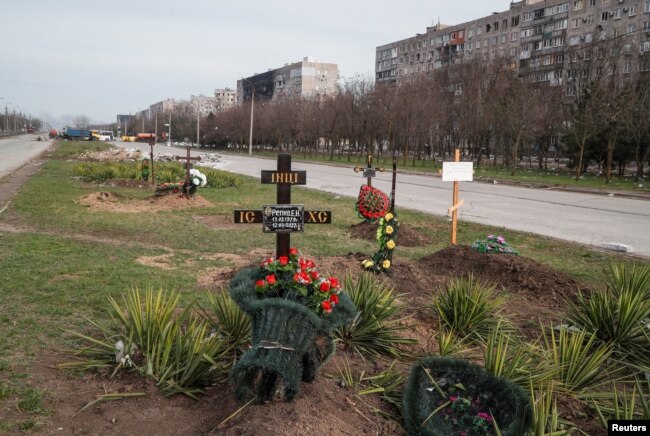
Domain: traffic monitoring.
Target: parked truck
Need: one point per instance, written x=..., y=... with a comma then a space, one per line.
x=77, y=134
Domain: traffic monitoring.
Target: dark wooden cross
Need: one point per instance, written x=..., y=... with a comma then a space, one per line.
x=188, y=164
x=283, y=218
x=152, y=142
x=369, y=171
x=392, y=192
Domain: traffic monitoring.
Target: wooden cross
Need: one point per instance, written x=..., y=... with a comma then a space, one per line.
x=152, y=142
x=369, y=171
x=283, y=218
x=456, y=171
x=392, y=191
x=187, y=158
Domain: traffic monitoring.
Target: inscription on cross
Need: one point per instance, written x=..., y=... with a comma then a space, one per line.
x=283, y=218
x=188, y=159
x=369, y=172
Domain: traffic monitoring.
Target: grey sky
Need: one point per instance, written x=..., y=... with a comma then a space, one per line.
x=60, y=58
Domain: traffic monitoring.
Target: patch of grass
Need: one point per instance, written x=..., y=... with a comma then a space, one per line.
x=32, y=401
x=72, y=149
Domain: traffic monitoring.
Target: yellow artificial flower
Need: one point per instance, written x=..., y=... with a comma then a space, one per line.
x=367, y=263
x=386, y=264
x=389, y=230
x=390, y=244
x=388, y=216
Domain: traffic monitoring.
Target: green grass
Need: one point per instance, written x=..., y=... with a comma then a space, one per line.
x=71, y=258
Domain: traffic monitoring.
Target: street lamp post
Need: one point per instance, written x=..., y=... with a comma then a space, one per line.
x=250, y=134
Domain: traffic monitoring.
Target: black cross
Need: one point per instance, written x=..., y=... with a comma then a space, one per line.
x=369, y=171
x=187, y=159
x=283, y=218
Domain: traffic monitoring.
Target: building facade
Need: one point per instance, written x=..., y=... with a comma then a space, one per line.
x=225, y=99
x=306, y=79
x=540, y=39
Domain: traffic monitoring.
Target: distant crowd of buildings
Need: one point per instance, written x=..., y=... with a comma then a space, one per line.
x=538, y=37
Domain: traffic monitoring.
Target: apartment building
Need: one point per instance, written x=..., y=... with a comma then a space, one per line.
x=225, y=99
x=308, y=78
x=539, y=39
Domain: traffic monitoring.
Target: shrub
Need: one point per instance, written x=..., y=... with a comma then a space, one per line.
x=155, y=338
x=619, y=314
x=624, y=405
x=227, y=319
x=468, y=308
x=376, y=329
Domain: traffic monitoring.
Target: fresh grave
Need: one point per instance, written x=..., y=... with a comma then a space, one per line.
x=293, y=308
x=372, y=203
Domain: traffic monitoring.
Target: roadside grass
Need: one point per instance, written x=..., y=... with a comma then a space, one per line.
x=61, y=270
x=552, y=176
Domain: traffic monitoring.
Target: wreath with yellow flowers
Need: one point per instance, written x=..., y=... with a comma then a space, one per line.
x=386, y=236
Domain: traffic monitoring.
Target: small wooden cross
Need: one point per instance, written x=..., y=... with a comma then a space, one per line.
x=152, y=142
x=283, y=218
x=187, y=159
x=456, y=171
x=369, y=171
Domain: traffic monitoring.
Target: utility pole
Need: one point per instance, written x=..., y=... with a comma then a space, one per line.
x=198, y=120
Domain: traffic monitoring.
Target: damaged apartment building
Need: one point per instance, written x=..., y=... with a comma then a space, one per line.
x=539, y=39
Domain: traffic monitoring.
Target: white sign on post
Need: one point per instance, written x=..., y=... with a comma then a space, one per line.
x=457, y=171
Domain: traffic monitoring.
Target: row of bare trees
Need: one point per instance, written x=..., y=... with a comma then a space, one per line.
x=598, y=113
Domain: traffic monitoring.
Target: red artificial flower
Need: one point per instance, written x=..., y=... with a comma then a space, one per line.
x=334, y=282
x=293, y=251
x=283, y=260
x=334, y=299
x=325, y=286
x=259, y=284
x=327, y=307
x=270, y=279
x=314, y=275
x=310, y=263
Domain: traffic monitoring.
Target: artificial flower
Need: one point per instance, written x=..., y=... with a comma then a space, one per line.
x=390, y=244
x=389, y=230
x=388, y=216
x=385, y=264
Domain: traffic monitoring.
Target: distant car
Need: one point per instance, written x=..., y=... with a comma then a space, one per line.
x=105, y=136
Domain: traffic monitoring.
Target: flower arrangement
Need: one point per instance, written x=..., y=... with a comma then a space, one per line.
x=372, y=203
x=296, y=278
x=493, y=244
x=197, y=179
x=386, y=236
x=465, y=416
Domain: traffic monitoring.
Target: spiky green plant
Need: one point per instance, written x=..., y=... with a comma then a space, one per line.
x=580, y=360
x=449, y=343
x=227, y=319
x=623, y=405
x=546, y=418
x=154, y=337
x=617, y=315
x=377, y=328
x=624, y=278
x=468, y=307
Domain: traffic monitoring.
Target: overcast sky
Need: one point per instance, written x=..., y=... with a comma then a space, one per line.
x=60, y=58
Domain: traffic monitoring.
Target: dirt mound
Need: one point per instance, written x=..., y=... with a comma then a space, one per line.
x=516, y=274
x=112, y=202
x=113, y=154
x=405, y=237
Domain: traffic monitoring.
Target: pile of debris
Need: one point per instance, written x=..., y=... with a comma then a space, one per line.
x=113, y=154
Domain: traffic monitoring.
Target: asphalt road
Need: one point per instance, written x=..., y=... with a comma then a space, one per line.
x=15, y=151
x=590, y=219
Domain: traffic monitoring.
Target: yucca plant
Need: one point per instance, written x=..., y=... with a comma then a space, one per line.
x=449, y=343
x=507, y=357
x=468, y=307
x=623, y=278
x=616, y=316
x=580, y=360
x=227, y=319
x=623, y=405
x=154, y=337
x=546, y=418
x=377, y=328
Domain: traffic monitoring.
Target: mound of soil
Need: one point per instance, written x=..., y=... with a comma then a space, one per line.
x=516, y=274
x=112, y=202
x=405, y=237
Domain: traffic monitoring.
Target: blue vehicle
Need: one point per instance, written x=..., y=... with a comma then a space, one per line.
x=78, y=135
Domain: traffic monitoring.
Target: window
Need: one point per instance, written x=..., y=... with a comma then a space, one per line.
x=647, y=7
x=588, y=38
x=592, y=3
x=486, y=42
x=514, y=21
x=504, y=38
x=478, y=31
x=577, y=5
x=494, y=40
x=631, y=11
x=575, y=40
x=470, y=33
x=617, y=14
x=547, y=60
x=513, y=51
x=528, y=16
x=604, y=16
x=646, y=26
x=496, y=25
x=575, y=23
x=630, y=28
x=504, y=24
x=513, y=36
x=590, y=20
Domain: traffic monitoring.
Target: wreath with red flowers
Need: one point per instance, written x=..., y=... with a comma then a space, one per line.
x=372, y=203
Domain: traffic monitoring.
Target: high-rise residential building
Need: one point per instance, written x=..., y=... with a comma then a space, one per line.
x=308, y=78
x=225, y=99
x=538, y=38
